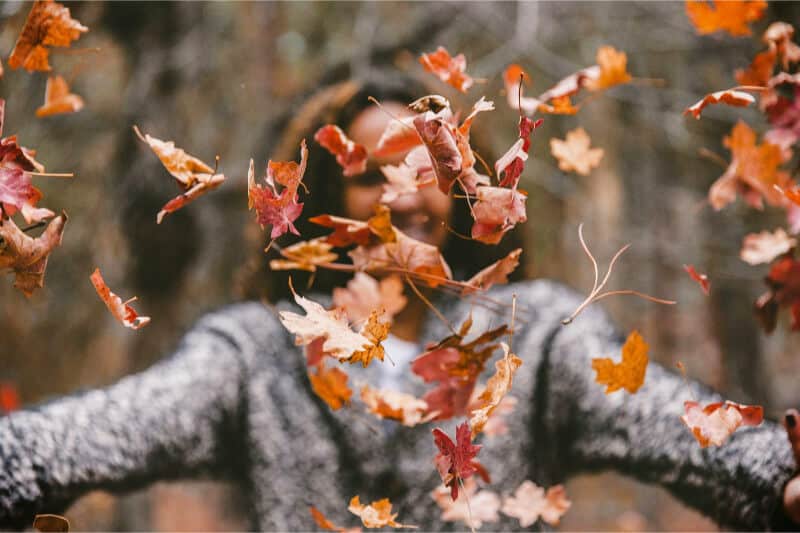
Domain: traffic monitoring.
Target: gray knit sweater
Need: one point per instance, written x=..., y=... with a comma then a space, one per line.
x=234, y=402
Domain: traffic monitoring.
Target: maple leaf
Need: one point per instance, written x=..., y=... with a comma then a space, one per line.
x=530, y=502
x=376, y=514
x=758, y=248
x=340, y=341
x=192, y=175
x=574, y=153
x=375, y=331
x=9, y=398
x=393, y=405
x=346, y=231
x=364, y=293
x=713, y=424
x=730, y=96
x=496, y=273
x=305, y=255
x=701, y=279
x=119, y=309
x=351, y=157
x=456, y=460
x=731, y=16
x=512, y=163
x=783, y=281
x=613, y=69
x=326, y=524
x=472, y=508
x=627, y=374
x=753, y=170
x=27, y=257
x=496, y=389
x=48, y=24
x=496, y=212
x=400, y=136
x=450, y=70
x=330, y=384
x=278, y=210
x=58, y=100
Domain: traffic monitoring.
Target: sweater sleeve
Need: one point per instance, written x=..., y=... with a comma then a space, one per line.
x=739, y=484
x=179, y=418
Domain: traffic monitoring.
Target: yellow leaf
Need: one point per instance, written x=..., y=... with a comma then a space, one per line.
x=629, y=374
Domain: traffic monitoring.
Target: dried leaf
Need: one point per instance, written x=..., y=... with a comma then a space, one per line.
x=392, y=405
x=496, y=212
x=119, y=309
x=48, y=24
x=305, y=255
x=439, y=138
x=627, y=374
x=472, y=508
x=346, y=231
x=376, y=331
x=783, y=281
x=27, y=257
x=496, y=425
x=400, y=136
x=731, y=16
x=758, y=248
x=512, y=163
x=278, y=210
x=351, y=157
x=376, y=514
x=326, y=524
x=456, y=460
x=496, y=273
x=58, y=100
x=701, y=279
x=496, y=388
x=729, y=96
x=613, y=69
x=574, y=154
x=530, y=503
x=330, y=384
x=450, y=70
x=364, y=294
x=713, y=424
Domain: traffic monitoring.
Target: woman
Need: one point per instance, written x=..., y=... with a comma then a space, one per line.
x=234, y=401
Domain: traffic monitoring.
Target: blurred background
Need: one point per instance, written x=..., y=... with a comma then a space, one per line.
x=212, y=76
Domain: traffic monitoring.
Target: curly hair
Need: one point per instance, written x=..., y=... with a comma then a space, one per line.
x=339, y=103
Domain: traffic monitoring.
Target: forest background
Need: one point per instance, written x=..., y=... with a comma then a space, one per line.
x=212, y=76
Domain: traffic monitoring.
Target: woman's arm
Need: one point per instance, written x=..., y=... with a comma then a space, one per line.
x=180, y=418
x=739, y=485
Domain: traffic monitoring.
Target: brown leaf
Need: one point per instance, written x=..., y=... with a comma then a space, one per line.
x=494, y=274
x=496, y=388
x=351, y=157
x=574, y=153
x=729, y=96
x=326, y=524
x=48, y=24
x=58, y=100
x=376, y=331
x=330, y=384
x=121, y=310
x=27, y=257
x=305, y=255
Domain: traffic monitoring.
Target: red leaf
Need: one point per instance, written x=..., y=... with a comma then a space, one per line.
x=448, y=69
x=351, y=157
x=497, y=211
x=513, y=161
x=273, y=209
x=456, y=461
x=701, y=279
x=438, y=137
x=9, y=398
x=783, y=281
x=121, y=310
x=730, y=97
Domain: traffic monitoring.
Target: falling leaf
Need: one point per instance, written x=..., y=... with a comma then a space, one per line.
x=759, y=71
x=713, y=424
x=193, y=176
x=327, y=525
x=450, y=70
x=346, y=231
x=496, y=388
x=456, y=460
x=512, y=78
x=701, y=279
x=574, y=154
x=330, y=384
x=496, y=212
x=58, y=100
x=364, y=293
x=758, y=248
x=627, y=374
x=26, y=256
x=496, y=425
x=400, y=136
x=340, y=341
x=376, y=514
x=48, y=24
x=783, y=281
x=613, y=69
x=512, y=163
x=791, y=193
x=351, y=157
x=400, y=181
x=496, y=273
x=530, y=503
x=278, y=210
x=439, y=138
x=731, y=16
x=50, y=523
x=472, y=508
x=393, y=405
x=729, y=96
x=305, y=255
x=121, y=310
x=376, y=332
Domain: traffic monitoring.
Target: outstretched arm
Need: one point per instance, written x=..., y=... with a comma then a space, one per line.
x=179, y=418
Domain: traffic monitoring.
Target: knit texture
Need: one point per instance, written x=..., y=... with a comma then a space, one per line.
x=234, y=402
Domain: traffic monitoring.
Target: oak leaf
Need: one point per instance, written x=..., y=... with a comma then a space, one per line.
x=26, y=256
x=393, y=405
x=364, y=294
x=496, y=388
x=496, y=273
x=58, y=100
x=352, y=157
x=456, y=460
x=450, y=70
x=627, y=374
x=496, y=212
x=730, y=96
x=574, y=154
x=701, y=279
x=472, y=507
x=123, y=312
x=732, y=16
x=48, y=24
x=305, y=255
x=377, y=514
x=530, y=502
x=713, y=424
x=764, y=247
x=330, y=384
x=613, y=69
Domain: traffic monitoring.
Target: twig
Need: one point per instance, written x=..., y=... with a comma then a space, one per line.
x=466, y=499
x=52, y=174
x=432, y=307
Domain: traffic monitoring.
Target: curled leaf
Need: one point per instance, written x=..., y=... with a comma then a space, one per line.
x=450, y=70
x=351, y=157
x=496, y=273
x=701, y=279
x=121, y=310
x=496, y=212
x=26, y=257
x=730, y=97
x=496, y=388
x=48, y=24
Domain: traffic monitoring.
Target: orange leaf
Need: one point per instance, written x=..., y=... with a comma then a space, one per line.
x=58, y=100
x=613, y=69
x=496, y=273
x=27, y=257
x=730, y=97
x=627, y=374
x=448, y=69
x=529, y=503
x=364, y=293
x=701, y=279
x=121, y=310
x=731, y=16
x=305, y=255
x=574, y=153
x=48, y=24
x=326, y=524
x=713, y=424
x=376, y=514
x=351, y=157
x=392, y=405
x=330, y=384
x=496, y=388
x=375, y=331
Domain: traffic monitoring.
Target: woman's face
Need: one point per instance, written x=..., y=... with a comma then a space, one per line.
x=421, y=215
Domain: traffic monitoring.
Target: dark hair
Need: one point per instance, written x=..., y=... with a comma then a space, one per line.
x=339, y=104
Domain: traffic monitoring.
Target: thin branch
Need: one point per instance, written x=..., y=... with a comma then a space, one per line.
x=432, y=307
x=52, y=174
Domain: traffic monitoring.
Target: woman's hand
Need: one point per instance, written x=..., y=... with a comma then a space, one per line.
x=791, y=493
